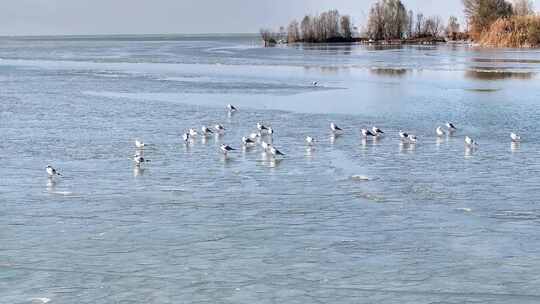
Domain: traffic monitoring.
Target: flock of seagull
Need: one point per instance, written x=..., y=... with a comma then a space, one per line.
x=264, y=135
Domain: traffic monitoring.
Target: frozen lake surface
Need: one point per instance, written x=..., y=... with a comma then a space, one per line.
x=349, y=221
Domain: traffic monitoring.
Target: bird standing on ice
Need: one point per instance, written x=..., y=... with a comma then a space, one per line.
x=261, y=127
x=247, y=141
x=451, y=127
x=377, y=131
x=440, y=132
x=470, y=142
x=206, y=131
x=139, y=159
x=366, y=133
x=225, y=149
x=192, y=132
x=219, y=128
x=335, y=128
x=51, y=172
x=231, y=108
x=403, y=135
x=186, y=137
x=275, y=152
x=310, y=140
x=315, y=83
x=515, y=137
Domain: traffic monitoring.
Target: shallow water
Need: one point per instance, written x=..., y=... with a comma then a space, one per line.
x=348, y=221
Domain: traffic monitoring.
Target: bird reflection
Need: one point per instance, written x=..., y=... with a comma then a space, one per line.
x=515, y=146
x=405, y=147
x=51, y=185
x=333, y=138
x=469, y=151
x=138, y=171
x=309, y=152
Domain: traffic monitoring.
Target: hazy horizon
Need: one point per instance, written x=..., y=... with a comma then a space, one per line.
x=123, y=17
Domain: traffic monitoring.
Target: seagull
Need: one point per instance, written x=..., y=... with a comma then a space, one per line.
x=261, y=127
x=377, y=131
x=254, y=135
x=315, y=83
x=366, y=133
x=192, y=132
x=231, y=108
x=451, y=127
x=440, y=132
x=185, y=137
x=403, y=135
x=515, y=137
x=275, y=152
x=225, y=148
x=138, y=159
x=247, y=141
x=205, y=130
x=52, y=171
x=139, y=144
x=470, y=142
x=310, y=140
x=219, y=128
x=335, y=128
x=412, y=139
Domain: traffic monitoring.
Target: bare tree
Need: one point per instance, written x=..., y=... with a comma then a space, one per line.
x=433, y=26
x=452, y=29
x=420, y=25
x=293, y=32
x=523, y=7
x=268, y=37
x=410, y=24
x=346, y=27
x=387, y=20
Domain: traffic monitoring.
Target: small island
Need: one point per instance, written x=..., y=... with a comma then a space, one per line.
x=490, y=23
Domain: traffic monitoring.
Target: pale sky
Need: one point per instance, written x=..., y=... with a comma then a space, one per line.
x=44, y=17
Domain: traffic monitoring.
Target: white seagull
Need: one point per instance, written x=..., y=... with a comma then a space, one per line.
x=139, y=159
x=261, y=127
x=205, y=130
x=247, y=141
x=412, y=139
x=451, y=127
x=403, y=135
x=231, y=108
x=254, y=135
x=52, y=171
x=470, y=142
x=185, y=137
x=275, y=152
x=315, y=83
x=515, y=137
x=377, y=131
x=219, y=128
x=440, y=132
x=366, y=133
x=192, y=132
x=310, y=140
x=225, y=149
x=335, y=128
x=139, y=144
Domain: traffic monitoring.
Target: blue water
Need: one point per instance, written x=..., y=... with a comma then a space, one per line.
x=426, y=223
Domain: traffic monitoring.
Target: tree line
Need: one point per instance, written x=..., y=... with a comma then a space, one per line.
x=391, y=20
x=328, y=26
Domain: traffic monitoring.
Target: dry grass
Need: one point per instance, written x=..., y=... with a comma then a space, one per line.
x=515, y=32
